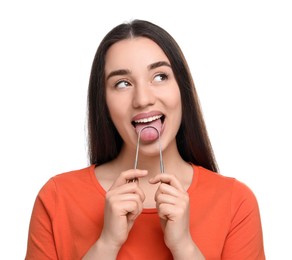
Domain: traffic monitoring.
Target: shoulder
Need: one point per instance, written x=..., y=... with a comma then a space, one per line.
x=217, y=183
x=212, y=180
x=67, y=180
x=75, y=175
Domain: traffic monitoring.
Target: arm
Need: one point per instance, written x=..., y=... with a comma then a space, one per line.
x=102, y=250
x=245, y=238
x=172, y=203
x=41, y=244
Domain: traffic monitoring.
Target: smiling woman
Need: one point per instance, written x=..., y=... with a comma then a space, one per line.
x=140, y=84
x=142, y=91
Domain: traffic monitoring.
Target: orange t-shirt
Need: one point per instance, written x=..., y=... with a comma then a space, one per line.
x=67, y=220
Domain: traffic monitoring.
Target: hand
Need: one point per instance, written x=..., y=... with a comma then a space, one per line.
x=124, y=203
x=172, y=203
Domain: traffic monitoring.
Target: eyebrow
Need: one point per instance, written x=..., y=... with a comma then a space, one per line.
x=118, y=73
x=158, y=64
x=152, y=66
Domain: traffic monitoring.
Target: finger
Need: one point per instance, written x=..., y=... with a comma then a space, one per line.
x=134, y=211
x=165, y=211
x=165, y=198
x=128, y=188
x=132, y=207
x=181, y=202
x=129, y=209
x=171, y=211
x=125, y=176
x=167, y=194
x=127, y=203
x=166, y=189
x=167, y=179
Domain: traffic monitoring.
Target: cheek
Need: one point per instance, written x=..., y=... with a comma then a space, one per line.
x=176, y=105
x=112, y=105
x=117, y=107
x=114, y=109
x=174, y=99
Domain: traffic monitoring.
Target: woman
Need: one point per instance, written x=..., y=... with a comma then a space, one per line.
x=140, y=85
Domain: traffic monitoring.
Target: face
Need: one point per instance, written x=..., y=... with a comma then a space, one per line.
x=141, y=91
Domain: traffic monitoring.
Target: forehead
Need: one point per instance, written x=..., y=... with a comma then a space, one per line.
x=134, y=52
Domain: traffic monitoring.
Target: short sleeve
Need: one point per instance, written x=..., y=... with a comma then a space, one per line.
x=41, y=243
x=244, y=240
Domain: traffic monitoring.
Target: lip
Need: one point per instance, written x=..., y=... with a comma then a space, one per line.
x=146, y=115
x=150, y=114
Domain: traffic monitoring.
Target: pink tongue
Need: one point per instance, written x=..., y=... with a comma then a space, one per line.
x=149, y=134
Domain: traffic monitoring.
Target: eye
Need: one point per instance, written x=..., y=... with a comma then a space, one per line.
x=160, y=77
x=122, y=84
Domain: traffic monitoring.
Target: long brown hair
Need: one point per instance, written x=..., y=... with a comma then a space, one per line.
x=104, y=141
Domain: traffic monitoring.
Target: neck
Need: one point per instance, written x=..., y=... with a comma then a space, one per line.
x=172, y=160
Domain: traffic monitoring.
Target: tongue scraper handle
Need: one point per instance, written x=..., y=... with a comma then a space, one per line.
x=137, y=151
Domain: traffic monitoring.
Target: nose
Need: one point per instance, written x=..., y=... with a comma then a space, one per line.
x=143, y=96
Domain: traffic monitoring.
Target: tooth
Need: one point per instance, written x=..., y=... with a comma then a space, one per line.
x=147, y=120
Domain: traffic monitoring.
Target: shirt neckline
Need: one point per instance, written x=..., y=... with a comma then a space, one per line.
x=102, y=191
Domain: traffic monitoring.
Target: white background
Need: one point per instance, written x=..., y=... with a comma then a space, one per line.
x=239, y=53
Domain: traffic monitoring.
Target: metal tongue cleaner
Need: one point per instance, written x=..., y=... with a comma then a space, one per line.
x=137, y=150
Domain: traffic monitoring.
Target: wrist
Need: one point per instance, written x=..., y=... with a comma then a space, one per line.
x=187, y=250
x=107, y=246
x=102, y=250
